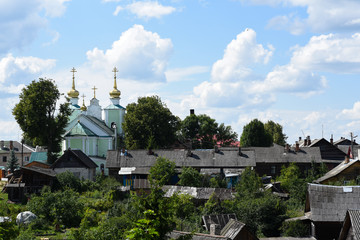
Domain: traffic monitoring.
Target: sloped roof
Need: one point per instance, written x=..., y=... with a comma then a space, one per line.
x=115, y=106
x=100, y=124
x=182, y=158
x=80, y=156
x=16, y=147
x=352, y=219
x=196, y=236
x=198, y=193
x=38, y=157
x=79, y=129
x=330, y=203
x=336, y=170
x=221, y=219
x=328, y=150
x=344, y=141
x=345, y=149
x=232, y=229
x=46, y=171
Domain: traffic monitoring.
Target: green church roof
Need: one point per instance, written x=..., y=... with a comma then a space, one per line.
x=114, y=106
x=80, y=130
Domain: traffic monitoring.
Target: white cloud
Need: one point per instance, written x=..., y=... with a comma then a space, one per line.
x=181, y=74
x=17, y=71
x=20, y=20
x=353, y=113
x=322, y=15
x=146, y=9
x=140, y=55
x=240, y=54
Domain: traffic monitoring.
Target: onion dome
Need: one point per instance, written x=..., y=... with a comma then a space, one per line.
x=115, y=93
x=73, y=93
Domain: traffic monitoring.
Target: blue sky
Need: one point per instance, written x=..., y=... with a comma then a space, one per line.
x=295, y=62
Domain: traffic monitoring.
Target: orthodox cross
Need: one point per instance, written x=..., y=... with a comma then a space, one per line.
x=94, y=88
x=73, y=70
x=83, y=96
x=115, y=71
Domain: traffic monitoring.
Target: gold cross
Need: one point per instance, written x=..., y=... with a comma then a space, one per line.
x=115, y=71
x=73, y=70
x=83, y=96
x=94, y=88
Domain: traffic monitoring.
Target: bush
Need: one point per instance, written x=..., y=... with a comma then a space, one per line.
x=69, y=180
x=295, y=229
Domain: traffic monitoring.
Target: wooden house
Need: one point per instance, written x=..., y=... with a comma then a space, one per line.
x=346, y=171
x=351, y=226
x=326, y=207
x=77, y=162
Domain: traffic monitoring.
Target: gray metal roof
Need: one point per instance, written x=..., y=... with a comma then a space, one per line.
x=197, y=236
x=198, y=193
x=198, y=158
x=232, y=229
x=330, y=203
x=221, y=219
x=352, y=220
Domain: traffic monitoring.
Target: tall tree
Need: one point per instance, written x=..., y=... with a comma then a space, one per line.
x=254, y=135
x=149, y=123
x=13, y=162
x=204, y=131
x=276, y=131
x=38, y=117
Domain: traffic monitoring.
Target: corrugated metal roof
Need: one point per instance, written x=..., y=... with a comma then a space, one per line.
x=38, y=157
x=232, y=229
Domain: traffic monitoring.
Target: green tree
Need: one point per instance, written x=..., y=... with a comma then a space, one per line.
x=276, y=131
x=13, y=162
x=38, y=117
x=190, y=177
x=254, y=135
x=68, y=180
x=149, y=118
x=225, y=135
x=161, y=172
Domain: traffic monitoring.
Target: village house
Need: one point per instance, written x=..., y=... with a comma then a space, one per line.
x=351, y=226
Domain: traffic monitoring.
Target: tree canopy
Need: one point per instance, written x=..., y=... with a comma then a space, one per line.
x=255, y=135
x=38, y=117
x=204, y=131
x=149, y=124
x=276, y=131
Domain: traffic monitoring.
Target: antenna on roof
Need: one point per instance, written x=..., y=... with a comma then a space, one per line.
x=303, y=133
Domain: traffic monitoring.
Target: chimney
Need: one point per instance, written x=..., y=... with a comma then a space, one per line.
x=287, y=147
x=192, y=111
x=2, y=144
x=11, y=145
x=188, y=153
x=347, y=159
x=305, y=142
x=297, y=146
x=309, y=141
x=240, y=153
x=216, y=148
x=332, y=140
x=215, y=229
x=299, y=139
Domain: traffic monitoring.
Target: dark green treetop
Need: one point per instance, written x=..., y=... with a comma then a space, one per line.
x=149, y=123
x=276, y=131
x=254, y=135
x=38, y=117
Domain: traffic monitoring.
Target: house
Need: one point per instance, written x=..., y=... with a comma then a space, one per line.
x=233, y=230
x=351, y=226
x=131, y=166
x=22, y=152
x=346, y=171
x=77, y=162
x=326, y=208
x=87, y=130
x=344, y=142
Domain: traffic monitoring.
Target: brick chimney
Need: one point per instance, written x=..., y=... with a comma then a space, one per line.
x=305, y=142
x=297, y=148
x=11, y=145
x=308, y=140
x=287, y=147
x=332, y=140
x=215, y=229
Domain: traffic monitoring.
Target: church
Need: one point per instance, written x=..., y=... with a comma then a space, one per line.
x=92, y=129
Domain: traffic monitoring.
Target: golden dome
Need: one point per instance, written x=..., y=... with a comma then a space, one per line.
x=73, y=93
x=83, y=107
x=115, y=93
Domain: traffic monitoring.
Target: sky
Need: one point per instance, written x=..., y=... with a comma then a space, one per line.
x=295, y=62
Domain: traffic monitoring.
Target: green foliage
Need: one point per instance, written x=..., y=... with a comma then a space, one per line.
x=213, y=205
x=254, y=135
x=145, y=228
x=149, y=118
x=13, y=162
x=161, y=172
x=183, y=205
x=91, y=218
x=249, y=184
x=225, y=135
x=190, y=177
x=59, y=207
x=35, y=114
x=68, y=180
x=201, y=129
x=295, y=229
x=8, y=230
x=291, y=182
x=276, y=131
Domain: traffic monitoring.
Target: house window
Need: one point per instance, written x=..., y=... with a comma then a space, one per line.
x=273, y=169
x=4, y=159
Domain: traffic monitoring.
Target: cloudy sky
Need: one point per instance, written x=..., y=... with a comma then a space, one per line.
x=296, y=62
